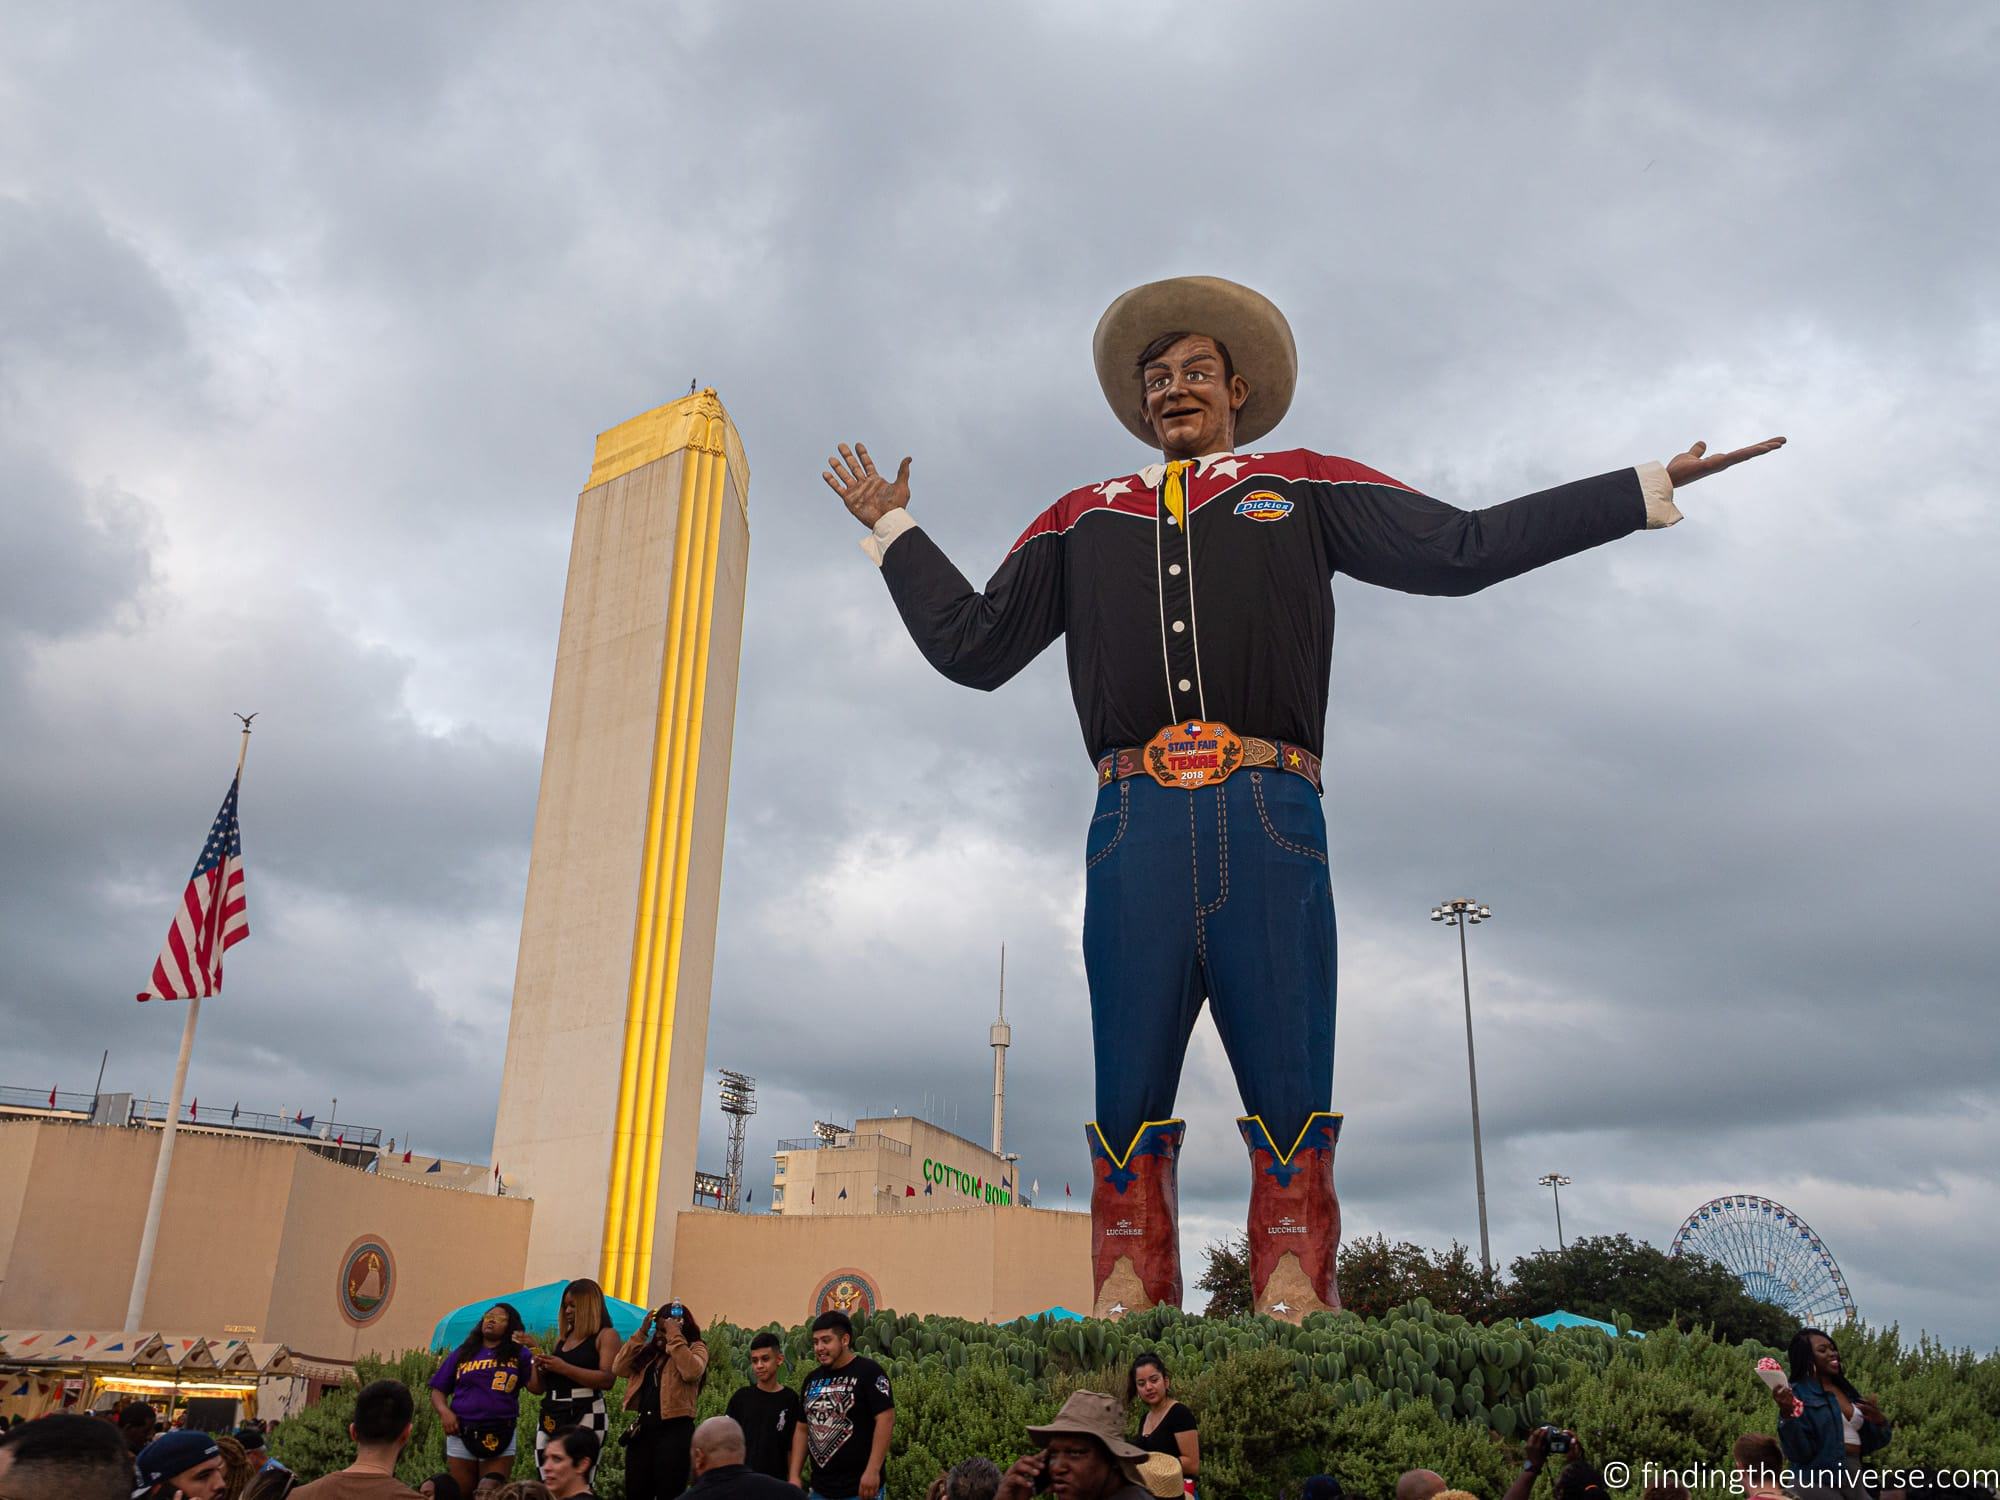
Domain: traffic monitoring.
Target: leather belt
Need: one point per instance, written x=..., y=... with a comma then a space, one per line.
x=1280, y=754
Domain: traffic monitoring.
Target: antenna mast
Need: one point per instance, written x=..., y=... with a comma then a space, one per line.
x=1000, y=1038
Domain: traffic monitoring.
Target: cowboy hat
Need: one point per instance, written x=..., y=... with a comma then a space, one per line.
x=1246, y=323
x=1095, y=1416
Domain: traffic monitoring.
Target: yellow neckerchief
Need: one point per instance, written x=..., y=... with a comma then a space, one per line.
x=1174, y=496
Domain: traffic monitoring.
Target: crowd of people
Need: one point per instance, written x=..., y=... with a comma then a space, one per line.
x=829, y=1436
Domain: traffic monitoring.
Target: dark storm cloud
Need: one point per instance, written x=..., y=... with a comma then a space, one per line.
x=309, y=321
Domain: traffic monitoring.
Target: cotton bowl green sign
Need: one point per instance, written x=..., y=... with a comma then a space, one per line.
x=937, y=1173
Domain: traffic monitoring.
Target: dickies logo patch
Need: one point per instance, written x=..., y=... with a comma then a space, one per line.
x=1264, y=505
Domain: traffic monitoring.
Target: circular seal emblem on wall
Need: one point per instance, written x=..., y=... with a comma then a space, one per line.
x=846, y=1290
x=367, y=1280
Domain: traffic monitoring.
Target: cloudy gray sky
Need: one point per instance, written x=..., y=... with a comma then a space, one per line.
x=308, y=317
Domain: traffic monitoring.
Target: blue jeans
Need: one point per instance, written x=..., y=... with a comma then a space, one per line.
x=1219, y=895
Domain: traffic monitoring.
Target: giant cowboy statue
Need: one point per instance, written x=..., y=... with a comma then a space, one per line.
x=1196, y=597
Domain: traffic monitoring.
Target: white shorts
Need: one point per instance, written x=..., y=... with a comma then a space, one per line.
x=455, y=1448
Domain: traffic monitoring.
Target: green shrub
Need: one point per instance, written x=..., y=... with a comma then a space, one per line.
x=1363, y=1399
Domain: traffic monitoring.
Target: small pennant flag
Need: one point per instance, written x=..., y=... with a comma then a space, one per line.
x=843, y=1192
x=1036, y=1187
x=406, y=1158
x=304, y=1122
x=908, y=1191
x=52, y=1098
x=1007, y=1182
x=927, y=1190
x=1066, y=1191
x=194, y=1108
x=341, y=1140
x=436, y=1166
x=235, y=1110
x=814, y=1197
x=749, y=1194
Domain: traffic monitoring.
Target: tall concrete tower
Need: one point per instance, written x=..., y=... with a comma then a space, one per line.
x=1000, y=1038
x=600, y=1100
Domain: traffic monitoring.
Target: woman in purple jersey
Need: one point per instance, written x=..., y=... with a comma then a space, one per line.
x=477, y=1395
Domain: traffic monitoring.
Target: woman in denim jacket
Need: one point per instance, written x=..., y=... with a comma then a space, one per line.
x=1835, y=1425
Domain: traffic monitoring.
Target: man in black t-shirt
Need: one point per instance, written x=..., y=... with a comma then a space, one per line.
x=849, y=1416
x=769, y=1412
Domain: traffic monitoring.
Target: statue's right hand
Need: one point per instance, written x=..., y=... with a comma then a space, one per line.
x=866, y=494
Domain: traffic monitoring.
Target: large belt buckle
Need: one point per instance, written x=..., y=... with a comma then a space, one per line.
x=1192, y=754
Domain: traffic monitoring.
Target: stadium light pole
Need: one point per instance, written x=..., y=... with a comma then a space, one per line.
x=1558, y=1182
x=1463, y=914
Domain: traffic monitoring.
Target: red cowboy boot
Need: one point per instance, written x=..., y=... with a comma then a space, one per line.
x=1294, y=1219
x=1135, y=1220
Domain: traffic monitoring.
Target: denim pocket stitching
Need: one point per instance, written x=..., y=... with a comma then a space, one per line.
x=1124, y=816
x=1264, y=817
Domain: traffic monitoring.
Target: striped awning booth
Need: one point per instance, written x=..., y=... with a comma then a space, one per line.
x=73, y=1346
x=191, y=1354
x=325, y=1371
x=242, y=1357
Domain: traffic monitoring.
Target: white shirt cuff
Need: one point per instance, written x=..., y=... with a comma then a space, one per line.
x=895, y=522
x=1659, y=493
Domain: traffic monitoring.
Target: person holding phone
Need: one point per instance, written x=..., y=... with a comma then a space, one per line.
x=577, y=1373
x=1082, y=1455
x=663, y=1365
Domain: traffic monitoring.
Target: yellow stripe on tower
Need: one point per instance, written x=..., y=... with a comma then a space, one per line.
x=698, y=425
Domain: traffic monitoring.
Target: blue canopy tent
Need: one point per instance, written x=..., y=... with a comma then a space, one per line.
x=1056, y=1314
x=539, y=1306
x=1561, y=1319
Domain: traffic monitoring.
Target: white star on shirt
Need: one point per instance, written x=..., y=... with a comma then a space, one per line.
x=1227, y=466
x=1113, y=488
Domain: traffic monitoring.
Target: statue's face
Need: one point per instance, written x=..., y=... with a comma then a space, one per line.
x=1190, y=406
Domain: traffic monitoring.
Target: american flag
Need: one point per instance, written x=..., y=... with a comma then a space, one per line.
x=211, y=919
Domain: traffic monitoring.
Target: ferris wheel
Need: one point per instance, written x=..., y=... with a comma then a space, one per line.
x=1773, y=1252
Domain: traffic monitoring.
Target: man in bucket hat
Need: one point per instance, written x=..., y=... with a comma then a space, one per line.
x=1084, y=1452
x=1195, y=595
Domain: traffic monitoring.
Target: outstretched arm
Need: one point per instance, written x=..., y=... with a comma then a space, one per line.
x=1381, y=531
x=977, y=638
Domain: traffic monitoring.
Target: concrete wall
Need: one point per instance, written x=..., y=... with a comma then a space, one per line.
x=989, y=1264
x=253, y=1235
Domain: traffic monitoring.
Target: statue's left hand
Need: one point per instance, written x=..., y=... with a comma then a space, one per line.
x=1699, y=463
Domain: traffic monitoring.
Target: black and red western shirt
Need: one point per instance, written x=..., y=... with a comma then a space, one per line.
x=1208, y=592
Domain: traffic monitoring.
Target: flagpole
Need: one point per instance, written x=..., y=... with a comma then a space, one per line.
x=142, y=1273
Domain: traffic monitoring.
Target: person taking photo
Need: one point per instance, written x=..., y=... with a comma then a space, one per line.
x=663, y=1365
